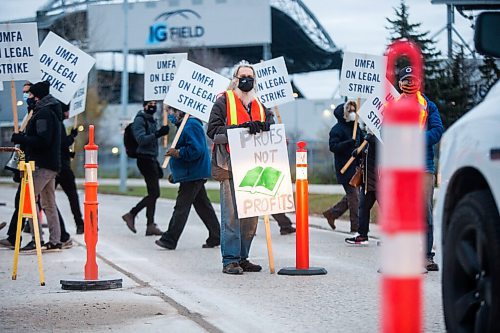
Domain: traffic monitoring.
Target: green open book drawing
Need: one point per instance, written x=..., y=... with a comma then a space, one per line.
x=262, y=180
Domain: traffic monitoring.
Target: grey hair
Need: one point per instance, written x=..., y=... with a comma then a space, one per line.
x=234, y=80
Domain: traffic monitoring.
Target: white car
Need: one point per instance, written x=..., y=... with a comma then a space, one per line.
x=467, y=212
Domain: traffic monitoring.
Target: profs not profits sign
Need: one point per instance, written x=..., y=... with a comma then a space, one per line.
x=159, y=72
x=261, y=172
x=65, y=66
x=273, y=85
x=195, y=89
x=19, y=52
x=361, y=74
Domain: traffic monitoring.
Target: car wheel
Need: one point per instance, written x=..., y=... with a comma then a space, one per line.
x=471, y=266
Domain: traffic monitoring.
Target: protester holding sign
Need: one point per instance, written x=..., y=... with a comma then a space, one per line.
x=368, y=190
x=430, y=120
x=341, y=145
x=146, y=135
x=42, y=144
x=190, y=166
x=237, y=107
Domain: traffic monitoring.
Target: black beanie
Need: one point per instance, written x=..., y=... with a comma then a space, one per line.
x=40, y=89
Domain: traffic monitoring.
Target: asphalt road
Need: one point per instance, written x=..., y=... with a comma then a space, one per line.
x=185, y=291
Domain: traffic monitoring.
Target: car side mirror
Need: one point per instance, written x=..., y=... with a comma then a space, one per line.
x=486, y=34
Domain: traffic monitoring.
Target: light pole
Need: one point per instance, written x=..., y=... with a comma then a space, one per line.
x=124, y=97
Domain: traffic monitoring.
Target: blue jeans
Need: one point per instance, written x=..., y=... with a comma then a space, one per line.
x=429, y=195
x=236, y=235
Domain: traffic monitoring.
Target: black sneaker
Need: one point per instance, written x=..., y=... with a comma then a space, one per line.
x=30, y=247
x=358, y=240
x=163, y=244
x=287, y=230
x=249, y=267
x=6, y=243
x=210, y=246
x=232, y=268
x=49, y=247
x=430, y=265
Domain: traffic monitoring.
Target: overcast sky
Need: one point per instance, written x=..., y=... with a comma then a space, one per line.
x=354, y=26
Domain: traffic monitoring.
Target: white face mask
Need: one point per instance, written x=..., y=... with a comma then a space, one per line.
x=352, y=116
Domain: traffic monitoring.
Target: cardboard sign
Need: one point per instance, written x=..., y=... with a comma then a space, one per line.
x=19, y=52
x=65, y=66
x=261, y=172
x=159, y=72
x=372, y=110
x=362, y=74
x=195, y=89
x=273, y=85
x=77, y=105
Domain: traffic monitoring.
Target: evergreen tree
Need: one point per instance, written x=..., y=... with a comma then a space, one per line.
x=489, y=73
x=400, y=27
x=456, y=93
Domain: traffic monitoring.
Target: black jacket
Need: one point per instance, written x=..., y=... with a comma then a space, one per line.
x=342, y=145
x=217, y=131
x=42, y=138
x=66, y=142
x=144, y=129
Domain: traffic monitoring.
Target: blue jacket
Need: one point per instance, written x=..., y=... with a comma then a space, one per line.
x=194, y=160
x=433, y=133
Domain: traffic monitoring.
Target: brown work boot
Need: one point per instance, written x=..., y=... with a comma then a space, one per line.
x=153, y=230
x=130, y=221
x=329, y=217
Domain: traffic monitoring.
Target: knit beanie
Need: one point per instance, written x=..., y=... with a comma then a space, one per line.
x=40, y=89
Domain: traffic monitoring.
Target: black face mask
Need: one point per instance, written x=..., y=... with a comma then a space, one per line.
x=246, y=84
x=150, y=109
x=31, y=103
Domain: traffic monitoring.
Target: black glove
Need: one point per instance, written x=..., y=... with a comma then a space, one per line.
x=354, y=153
x=18, y=138
x=170, y=178
x=72, y=154
x=74, y=132
x=264, y=126
x=253, y=126
x=162, y=131
x=369, y=137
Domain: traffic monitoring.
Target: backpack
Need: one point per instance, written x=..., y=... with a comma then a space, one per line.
x=129, y=140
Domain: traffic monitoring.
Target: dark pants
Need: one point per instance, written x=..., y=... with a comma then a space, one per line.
x=192, y=193
x=66, y=179
x=366, y=202
x=283, y=220
x=349, y=201
x=150, y=170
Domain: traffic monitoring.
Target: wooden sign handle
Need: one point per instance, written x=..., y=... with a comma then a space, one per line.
x=355, y=129
x=14, y=106
x=278, y=115
x=349, y=162
x=176, y=138
x=270, y=256
x=165, y=123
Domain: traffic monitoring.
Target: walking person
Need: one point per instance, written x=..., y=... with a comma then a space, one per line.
x=430, y=122
x=190, y=166
x=42, y=144
x=237, y=107
x=146, y=135
x=341, y=145
x=368, y=190
x=66, y=177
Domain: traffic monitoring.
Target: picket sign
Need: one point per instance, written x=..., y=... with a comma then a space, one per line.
x=194, y=91
x=79, y=100
x=19, y=58
x=361, y=74
x=159, y=73
x=273, y=86
x=64, y=65
x=372, y=110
